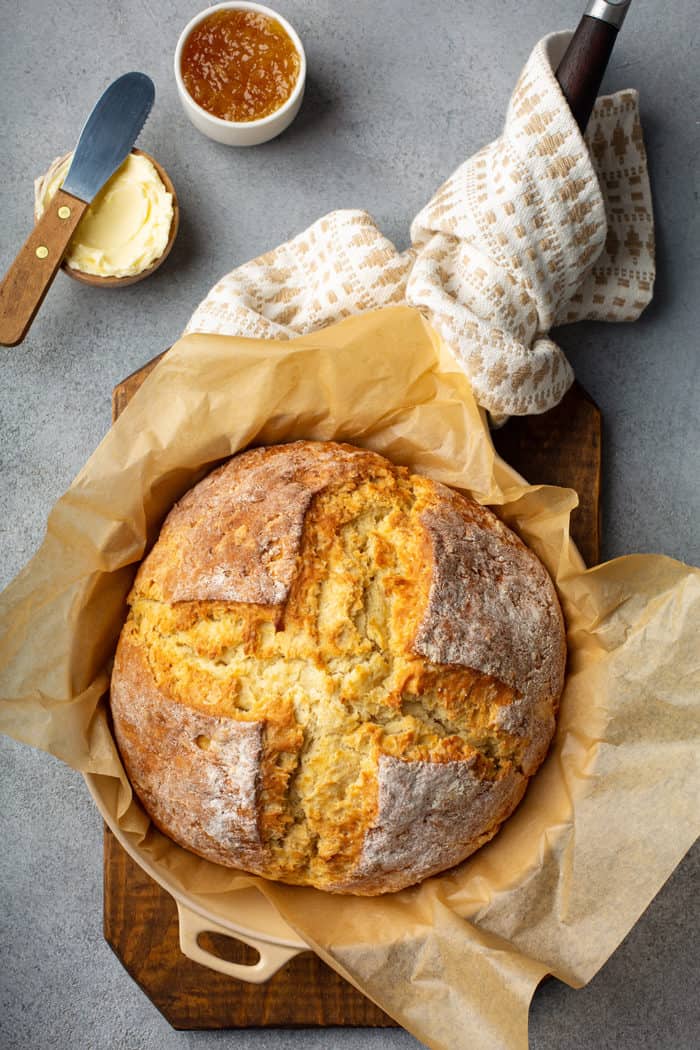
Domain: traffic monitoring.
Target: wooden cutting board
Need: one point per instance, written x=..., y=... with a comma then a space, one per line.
x=561, y=447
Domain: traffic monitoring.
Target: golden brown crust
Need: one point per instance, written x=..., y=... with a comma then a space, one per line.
x=197, y=774
x=236, y=536
x=375, y=659
x=419, y=802
x=492, y=605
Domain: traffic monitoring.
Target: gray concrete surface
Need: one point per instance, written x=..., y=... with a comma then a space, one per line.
x=398, y=95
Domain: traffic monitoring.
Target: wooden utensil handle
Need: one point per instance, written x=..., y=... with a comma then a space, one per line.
x=581, y=70
x=28, y=279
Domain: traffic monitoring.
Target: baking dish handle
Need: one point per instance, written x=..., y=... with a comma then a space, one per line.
x=272, y=956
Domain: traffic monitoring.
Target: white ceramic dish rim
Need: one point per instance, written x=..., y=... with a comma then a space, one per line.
x=162, y=878
x=274, y=951
x=242, y=5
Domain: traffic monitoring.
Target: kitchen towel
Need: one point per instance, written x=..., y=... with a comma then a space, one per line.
x=541, y=228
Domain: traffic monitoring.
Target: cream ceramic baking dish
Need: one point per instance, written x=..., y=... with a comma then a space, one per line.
x=262, y=928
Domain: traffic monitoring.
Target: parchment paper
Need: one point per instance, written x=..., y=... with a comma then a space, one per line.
x=605, y=820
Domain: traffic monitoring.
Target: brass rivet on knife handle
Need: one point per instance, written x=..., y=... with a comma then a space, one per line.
x=27, y=281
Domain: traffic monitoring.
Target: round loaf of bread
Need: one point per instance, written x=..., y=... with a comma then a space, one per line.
x=334, y=672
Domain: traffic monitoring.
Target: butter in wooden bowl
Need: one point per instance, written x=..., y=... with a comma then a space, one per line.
x=240, y=70
x=129, y=227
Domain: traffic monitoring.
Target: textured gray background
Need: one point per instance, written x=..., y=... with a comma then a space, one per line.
x=398, y=94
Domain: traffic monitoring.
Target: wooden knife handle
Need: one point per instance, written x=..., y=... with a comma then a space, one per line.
x=27, y=281
x=581, y=70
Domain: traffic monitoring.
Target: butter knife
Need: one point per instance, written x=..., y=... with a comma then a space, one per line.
x=104, y=144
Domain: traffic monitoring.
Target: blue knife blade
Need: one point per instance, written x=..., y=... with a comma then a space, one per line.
x=109, y=134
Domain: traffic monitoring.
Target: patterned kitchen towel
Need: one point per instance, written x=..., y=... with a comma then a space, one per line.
x=539, y=228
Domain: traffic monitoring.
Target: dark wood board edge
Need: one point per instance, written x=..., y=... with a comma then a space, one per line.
x=141, y=927
x=562, y=447
x=124, y=391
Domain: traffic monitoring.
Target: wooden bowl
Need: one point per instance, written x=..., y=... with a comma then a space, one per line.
x=121, y=282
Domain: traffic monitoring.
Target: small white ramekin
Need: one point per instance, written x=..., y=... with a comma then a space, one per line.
x=244, y=132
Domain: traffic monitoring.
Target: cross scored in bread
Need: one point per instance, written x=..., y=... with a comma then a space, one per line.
x=334, y=672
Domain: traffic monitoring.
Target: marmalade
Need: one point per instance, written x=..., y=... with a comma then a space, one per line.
x=239, y=65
